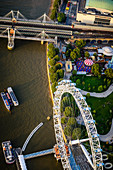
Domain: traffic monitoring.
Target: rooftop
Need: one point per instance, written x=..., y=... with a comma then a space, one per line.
x=102, y=4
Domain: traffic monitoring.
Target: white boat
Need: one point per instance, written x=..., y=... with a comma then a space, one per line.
x=8, y=152
x=5, y=100
x=13, y=97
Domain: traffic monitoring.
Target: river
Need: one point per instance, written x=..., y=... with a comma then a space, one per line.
x=24, y=69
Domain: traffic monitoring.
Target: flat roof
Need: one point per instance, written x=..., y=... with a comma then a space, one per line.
x=102, y=4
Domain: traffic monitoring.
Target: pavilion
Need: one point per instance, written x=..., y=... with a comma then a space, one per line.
x=107, y=52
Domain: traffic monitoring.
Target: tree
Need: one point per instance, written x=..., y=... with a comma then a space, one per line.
x=68, y=53
x=95, y=69
x=94, y=111
x=55, y=5
x=87, y=54
x=78, y=81
x=51, y=53
x=51, y=46
x=69, y=47
x=74, y=72
x=72, y=122
x=54, y=86
x=88, y=95
x=53, y=77
x=104, y=86
x=89, y=88
x=63, y=120
x=100, y=88
x=93, y=87
x=99, y=76
x=76, y=134
x=68, y=111
x=77, y=51
x=57, y=50
x=104, y=79
x=61, y=17
x=52, y=62
x=52, y=70
x=56, y=58
x=68, y=130
x=73, y=55
x=108, y=82
x=65, y=101
x=53, y=14
x=58, y=66
x=80, y=43
x=109, y=73
x=83, y=83
x=95, y=54
x=60, y=73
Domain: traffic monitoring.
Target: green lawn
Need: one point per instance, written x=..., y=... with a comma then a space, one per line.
x=91, y=83
x=104, y=112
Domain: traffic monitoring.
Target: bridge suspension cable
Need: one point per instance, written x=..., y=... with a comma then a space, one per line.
x=14, y=14
x=44, y=18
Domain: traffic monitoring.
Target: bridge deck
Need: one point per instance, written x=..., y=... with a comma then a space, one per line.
x=37, y=154
x=30, y=136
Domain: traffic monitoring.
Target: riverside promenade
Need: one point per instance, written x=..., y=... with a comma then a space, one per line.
x=100, y=95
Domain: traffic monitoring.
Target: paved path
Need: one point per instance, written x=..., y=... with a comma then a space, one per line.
x=108, y=136
x=100, y=95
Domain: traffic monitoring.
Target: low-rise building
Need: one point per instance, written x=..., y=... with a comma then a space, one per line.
x=68, y=66
x=97, y=12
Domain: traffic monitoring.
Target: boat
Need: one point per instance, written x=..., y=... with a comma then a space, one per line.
x=13, y=97
x=8, y=152
x=5, y=100
x=9, y=99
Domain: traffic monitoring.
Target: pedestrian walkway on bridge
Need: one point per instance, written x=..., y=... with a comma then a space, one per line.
x=37, y=154
x=30, y=136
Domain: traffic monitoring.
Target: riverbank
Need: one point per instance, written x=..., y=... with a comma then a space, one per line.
x=51, y=94
x=50, y=8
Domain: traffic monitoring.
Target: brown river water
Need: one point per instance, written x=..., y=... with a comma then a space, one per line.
x=25, y=69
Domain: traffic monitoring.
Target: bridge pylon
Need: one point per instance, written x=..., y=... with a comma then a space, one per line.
x=14, y=14
x=46, y=37
x=11, y=37
x=44, y=18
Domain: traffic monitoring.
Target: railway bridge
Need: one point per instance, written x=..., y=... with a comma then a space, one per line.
x=14, y=25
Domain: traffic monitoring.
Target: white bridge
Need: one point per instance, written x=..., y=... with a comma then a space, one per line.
x=63, y=87
x=30, y=136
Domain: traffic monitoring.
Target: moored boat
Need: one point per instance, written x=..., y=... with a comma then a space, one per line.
x=8, y=152
x=13, y=97
x=9, y=99
x=5, y=100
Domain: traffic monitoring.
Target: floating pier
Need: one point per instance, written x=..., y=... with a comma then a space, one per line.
x=37, y=154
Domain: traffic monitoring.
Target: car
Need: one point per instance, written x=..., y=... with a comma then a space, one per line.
x=106, y=13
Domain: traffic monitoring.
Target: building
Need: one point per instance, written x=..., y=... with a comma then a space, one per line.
x=107, y=52
x=68, y=66
x=96, y=12
x=100, y=5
